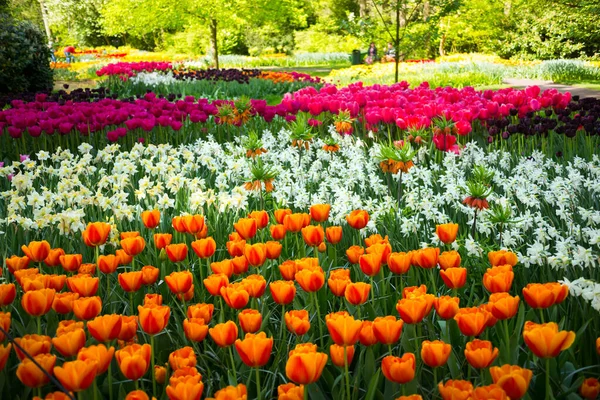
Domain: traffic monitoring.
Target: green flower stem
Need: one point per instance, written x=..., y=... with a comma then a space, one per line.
x=318, y=316
x=548, y=388
x=95, y=389
x=346, y=373
x=110, y=386
x=232, y=362
x=259, y=394
x=39, y=325
x=152, y=364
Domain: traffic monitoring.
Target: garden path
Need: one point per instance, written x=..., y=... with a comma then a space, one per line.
x=575, y=90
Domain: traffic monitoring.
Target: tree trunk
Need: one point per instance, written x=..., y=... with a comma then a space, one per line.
x=397, y=44
x=442, y=42
x=45, y=19
x=426, y=11
x=213, y=41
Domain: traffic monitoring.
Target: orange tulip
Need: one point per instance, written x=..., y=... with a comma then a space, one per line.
x=367, y=334
x=53, y=257
x=449, y=259
x=33, y=345
x=222, y=267
x=295, y=222
x=254, y=350
x=502, y=257
x=498, y=279
x=182, y=358
x=446, y=307
x=235, y=295
x=195, y=329
x=261, y=217
x=63, y=302
x=124, y=258
x=387, y=330
x=399, y=263
x=204, y=248
x=108, y=264
x=454, y=278
x=215, y=282
x=201, y=310
x=589, y=389
x=129, y=326
x=153, y=319
x=273, y=250
x=177, y=224
x=105, y=328
x=86, y=269
x=4, y=354
x=337, y=355
x=162, y=240
x=29, y=373
x=376, y=239
x=8, y=293
x=283, y=292
x=320, y=212
x=370, y=264
x=177, y=252
x=383, y=249
x=333, y=234
x=281, y=213
x=513, y=379
x=503, y=306
x=290, y=391
x=297, y=322
x=455, y=390
x=357, y=293
x=256, y=254
x=435, y=354
x=358, y=219
x=414, y=291
x=414, y=309
x=246, y=228
x=37, y=251
x=480, y=353
x=472, y=321
x=288, y=270
x=151, y=219
x=83, y=285
x=69, y=343
x=427, y=258
x=160, y=374
x=4, y=323
x=189, y=388
x=136, y=395
x=255, y=285
x=38, y=302
x=490, y=392
x=322, y=247
x=250, y=320
x=446, y=232
x=96, y=233
x=71, y=262
x=131, y=281
x=193, y=223
x=15, y=263
x=231, y=393
x=68, y=325
x=545, y=340
x=544, y=295
x=338, y=280
x=310, y=280
x=149, y=274
x=305, y=365
x=343, y=328
x=598, y=345
x=224, y=335
x=134, y=360
x=86, y=308
x=278, y=231
x=236, y=248
x=399, y=369
x=240, y=265
x=132, y=234
x=353, y=253
x=179, y=282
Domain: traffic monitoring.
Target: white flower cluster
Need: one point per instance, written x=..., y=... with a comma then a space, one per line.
x=586, y=289
x=154, y=78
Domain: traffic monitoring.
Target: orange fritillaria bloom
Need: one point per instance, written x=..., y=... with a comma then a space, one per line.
x=162, y=240
x=297, y=321
x=68, y=344
x=282, y=292
x=343, y=328
x=455, y=389
x=513, y=379
x=29, y=373
x=177, y=252
x=502, y=257
x=545, y=340
x=503, y=305
x=131, y=281
x=435, y=354
x=235, y=295
x=446, y=307
x=105, y=328
x=544, y=295
x=256, y=254
x=250, y=320
x=179, y=282
x=358, y=219
x=472, y=320
x=246, y=228
x=357, y=293
x=225, y=334
x=195, y=329
x=446, y=232
x=480, y=353
x=387, y=330
x=255, y=350
x=311, y=280
x=305, y=365
x=454, y=278
x=498, y=279
x=38, y=302
x=399, y=369
x=134, y=360
x=37, y=251
x=98, y=353
x=449, y=259
x=96, y=234
x=337, y=355
x=151, y=219
x=153, y=319
x=213, y=283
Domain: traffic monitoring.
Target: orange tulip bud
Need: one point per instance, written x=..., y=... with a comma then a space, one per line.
x=283, y=292
x=224, y=335
x=295, y=222
x=70, y=262
x=310, y=280
x=153, y=319
x=38, y=302
x=193, y=223
x=320, y=212
x=358, y=219
x=134, y=360
x=255, y=285
x=436, y=353
x=179, y=282
x=498, y=279
x=513, y=379
x=16, y=263
x=490, y=392
x=131, y=281
x=357, y=293
x=105, y=328
x=86, y=308
x=96, y=233
x=480, y=353
x=33, y=345
x=502, y=257
x=455, y=389
x=370, y=264
x=454, y=278
x=182, y=358
x=337, y=355
x=399, y=369
x=273, y=250
x=108, y=264
x=472, y=321
x=98, y=353
x=69, y=343
x=63, y=302
x=250, y=320
x=8, y=293
x=333, y=234
x=449, y=259
x=195, y=329
x=201, y=310
x=297, y=321
x=288, y=270
x=343, y=328
x=261, y=217
x=446, y=232
x=589, y=389
x=4, y=354
x=254, y=350
x=446, y=307
x=503, y=306
x=37, y=251
x=256, y=254
x=305, y=365
x=29, y=373
x=204, y=248
x=387, y=329
x=413, y=310
x=83, y=285
x=53, y=257
x=545, y=340
x=246, y=228
x=151, y=219
x=177, y=252
x=160, y=374
x=213, y=283
x=162, y=240
x=235, y=295
x=278, y=231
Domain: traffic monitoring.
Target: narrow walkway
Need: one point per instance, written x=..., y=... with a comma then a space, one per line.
x=575, y=91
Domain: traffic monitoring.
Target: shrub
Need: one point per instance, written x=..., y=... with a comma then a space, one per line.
x=24, y=55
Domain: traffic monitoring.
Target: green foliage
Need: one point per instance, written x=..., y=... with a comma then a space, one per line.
x=316, y=39
x=24, y=57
